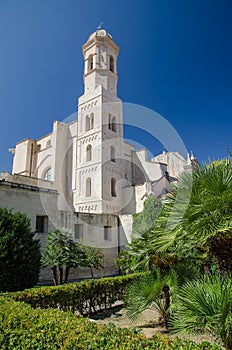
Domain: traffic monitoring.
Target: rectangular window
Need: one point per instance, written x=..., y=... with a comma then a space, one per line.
x=41, y=224
x=79, y=231
x=107, y=233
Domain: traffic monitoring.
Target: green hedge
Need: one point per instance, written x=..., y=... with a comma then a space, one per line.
x=22, y=328
x=85, y=297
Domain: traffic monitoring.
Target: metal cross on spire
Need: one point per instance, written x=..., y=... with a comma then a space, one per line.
x=100, y=25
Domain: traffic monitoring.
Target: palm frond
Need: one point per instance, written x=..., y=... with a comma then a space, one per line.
x=205, y=305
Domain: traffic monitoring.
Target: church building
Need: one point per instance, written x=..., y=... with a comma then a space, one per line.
x=83, y=176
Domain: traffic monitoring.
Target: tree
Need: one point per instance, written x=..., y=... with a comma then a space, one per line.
x=144, y=221
x=155, y=291
x=205, y=305
x=205, y=229
x=136, y=257
x=62, y=254
x=19, y=252
x=93, y=258
x=193, y=230
x=125, y=261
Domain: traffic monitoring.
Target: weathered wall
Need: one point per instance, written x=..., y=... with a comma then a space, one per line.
x=174, y=161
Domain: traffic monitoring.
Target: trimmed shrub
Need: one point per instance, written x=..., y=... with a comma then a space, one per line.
x=85, y=297
x=25, y=328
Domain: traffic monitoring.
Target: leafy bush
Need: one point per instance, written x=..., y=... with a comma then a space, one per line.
x=152, y=291
x=62, y=253
x=19, y=252
x=85, y=297
x=25, y=328
x=205, y=305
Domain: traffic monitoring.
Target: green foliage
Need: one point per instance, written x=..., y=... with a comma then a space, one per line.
x=93, y=257
x=205, y=305
x=144, y=221
x=204, y=231
x=151, y=291
x=85, y=297
x=137, y=256
x=25, y=328
x=19, y=252
x=61, y=254
x=125, y=261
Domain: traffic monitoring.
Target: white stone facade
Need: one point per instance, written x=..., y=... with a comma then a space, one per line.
x=87, y=178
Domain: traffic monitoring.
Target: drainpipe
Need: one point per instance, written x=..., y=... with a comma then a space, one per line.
x=118, y=223
x=119, y=243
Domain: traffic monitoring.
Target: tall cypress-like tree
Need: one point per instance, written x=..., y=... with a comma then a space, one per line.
x=19, y=252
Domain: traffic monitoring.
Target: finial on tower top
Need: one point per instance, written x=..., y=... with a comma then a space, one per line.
x=100, y=25
x=192, y=156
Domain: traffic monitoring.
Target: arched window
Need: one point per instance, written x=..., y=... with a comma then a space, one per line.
x=111, y=64
x=110, y=121
x=112, y=154
x=90, y=63
x=113, y=124
x=88, y=187
x=88, y=153
x=87, y=123
x=113, y=189
x=48, y=175
x=91, y=121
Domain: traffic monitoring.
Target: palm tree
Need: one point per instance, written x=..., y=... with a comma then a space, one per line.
x=61, y=254
x=205, y=305
x=152, y=291
x=196, y=229
x=136, y=257
x=205, y=229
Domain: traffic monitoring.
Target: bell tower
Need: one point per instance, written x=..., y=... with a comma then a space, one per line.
x=100, y=57
x=100, y=130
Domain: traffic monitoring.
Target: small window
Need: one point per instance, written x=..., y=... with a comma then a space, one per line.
x=90, y=63
x=38, y=148
x=91, y=121
x=87, y=123
x=111, y=64
x=48, y=175
x=41, y=224
x=88, y=187
x=113, y=187
x=113, y=124
x=107, y=233
x=88, y=153
x=112, y=154
x=79, y=231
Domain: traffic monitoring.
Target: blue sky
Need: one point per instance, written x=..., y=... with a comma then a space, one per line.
x=175, y=58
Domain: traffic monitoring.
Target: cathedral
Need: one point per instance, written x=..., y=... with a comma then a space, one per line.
x=83, y=176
